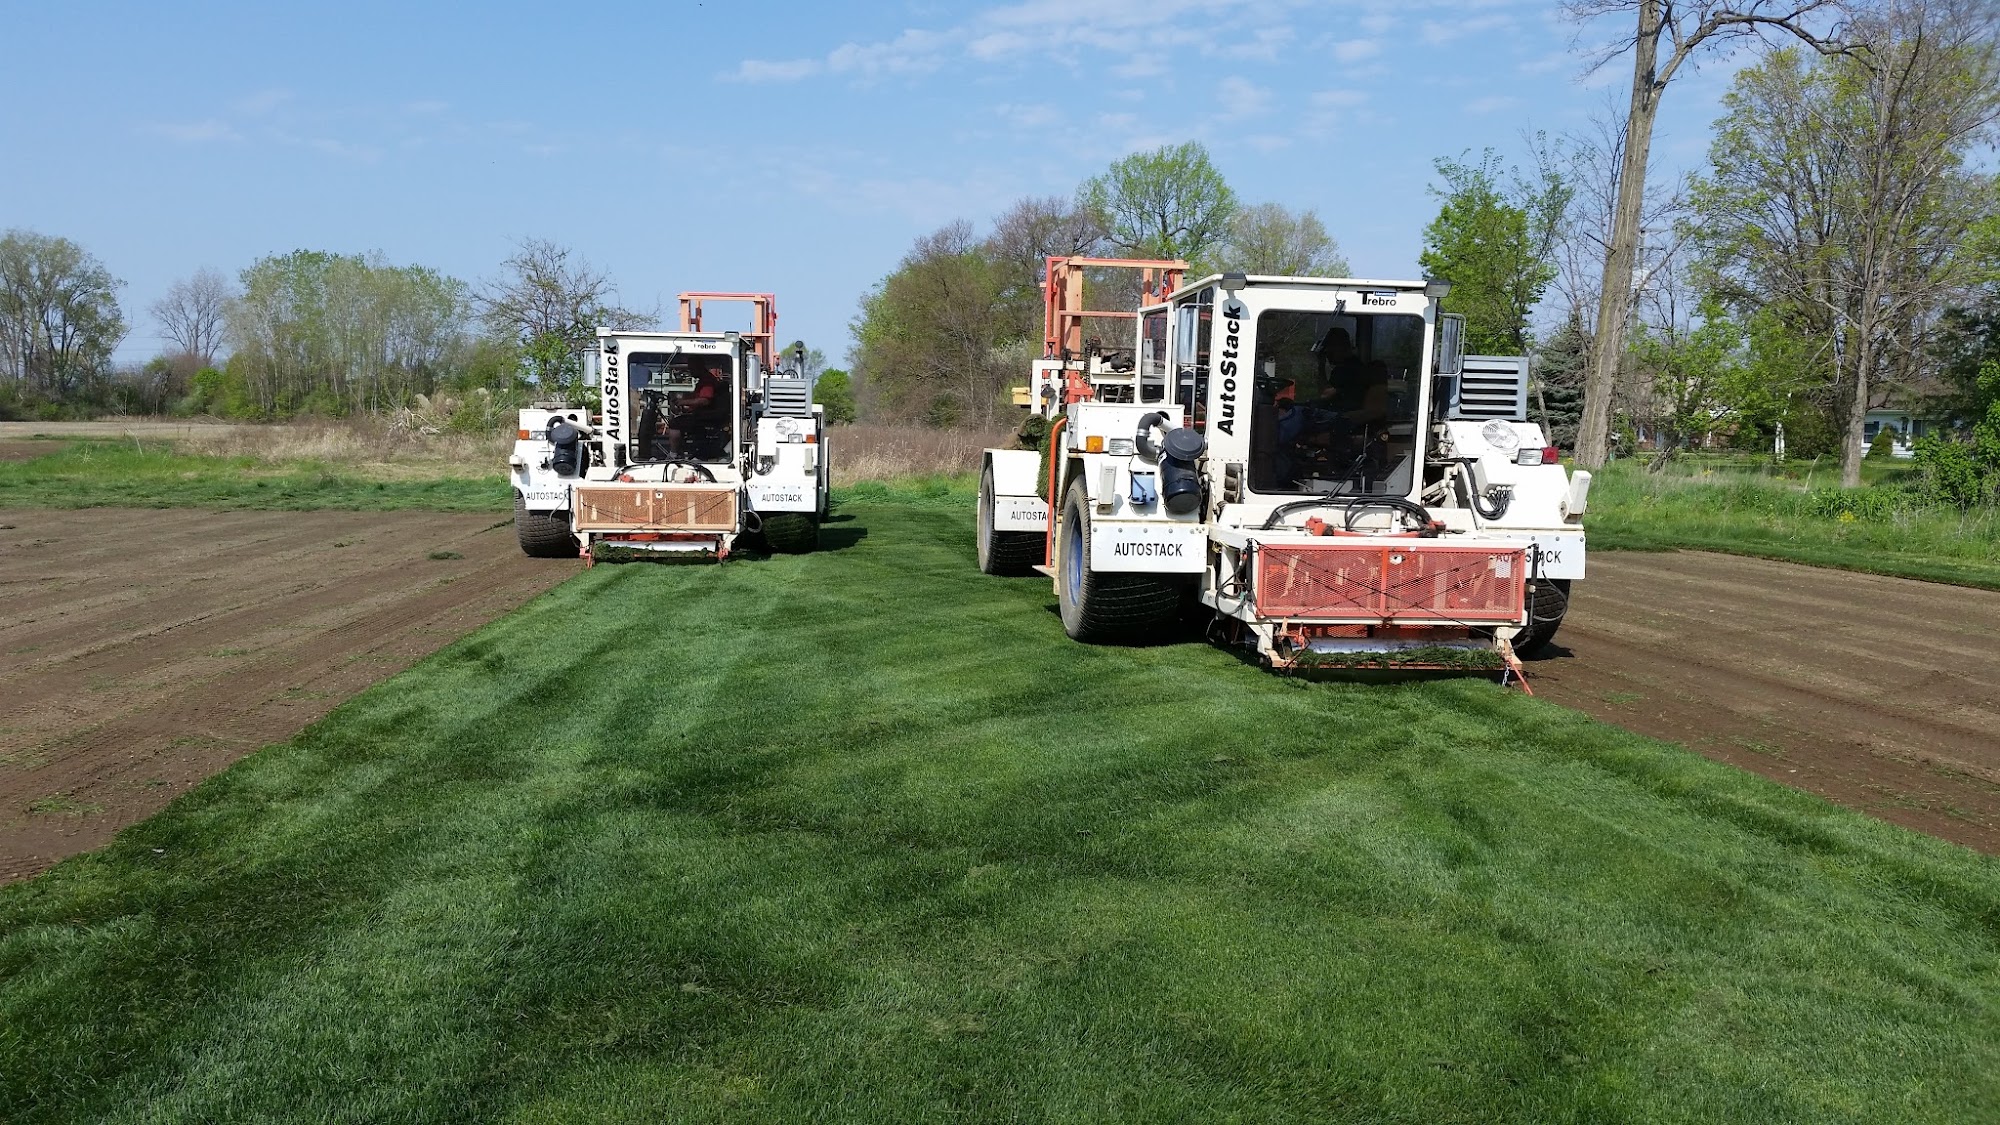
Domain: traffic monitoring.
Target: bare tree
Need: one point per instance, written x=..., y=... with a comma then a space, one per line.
x=550, y=303
x=549, y=289
x=192, y=315
x=1268, y=238
x=1686, y=27
x=1024, y=237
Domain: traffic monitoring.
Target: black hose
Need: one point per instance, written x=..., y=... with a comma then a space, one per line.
x=1500, y=496
x=1353, y=505
x=1143, y=440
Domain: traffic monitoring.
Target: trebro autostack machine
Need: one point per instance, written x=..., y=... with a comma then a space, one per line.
x=1311, y=463
x=702, y=438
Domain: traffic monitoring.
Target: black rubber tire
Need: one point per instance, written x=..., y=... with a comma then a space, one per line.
x=1099, y=608
x=1003, y=554
x=791, y=533
x=543, y=535
x=1547, y=603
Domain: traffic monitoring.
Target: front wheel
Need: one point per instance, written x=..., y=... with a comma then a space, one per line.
x=1100, y=608
x=1548, y=601
x=543, y=535
x=1005, y=554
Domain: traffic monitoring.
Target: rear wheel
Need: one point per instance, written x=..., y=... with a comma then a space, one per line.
x=1006, y=554
x=1099, y=607
x=1548, y=601
x=543, y=535
x=791, y=533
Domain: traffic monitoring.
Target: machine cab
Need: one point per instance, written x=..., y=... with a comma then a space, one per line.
x=1302, y=386
x=672, y=398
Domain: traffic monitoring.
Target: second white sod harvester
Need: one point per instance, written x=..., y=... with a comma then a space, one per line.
x=1310, y=462
x=702, y=439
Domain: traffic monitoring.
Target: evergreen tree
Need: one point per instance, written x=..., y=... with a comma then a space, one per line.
x=1562, y=364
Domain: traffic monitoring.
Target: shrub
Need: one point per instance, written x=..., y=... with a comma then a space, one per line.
x=1858, y=503
x=1951, y=474
x=1884, y=445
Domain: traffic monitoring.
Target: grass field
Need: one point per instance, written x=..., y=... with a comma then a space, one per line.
x=859, y=836
x=97, y=473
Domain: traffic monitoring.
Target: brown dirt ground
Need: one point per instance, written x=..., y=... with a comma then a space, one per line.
x=142, y=651
x=27, y=450
x=1882, y=694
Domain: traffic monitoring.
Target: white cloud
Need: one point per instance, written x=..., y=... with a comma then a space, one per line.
x=1034, y=116
x=914, y=51
x=1339, y=99
x=1492, y=103
x=1267, y=142
x=1354, y=50
x=788, y=70
x=1127, y=38
x=261, y=102
x=197, y=132
x=1437, y=32
x=1553, y=61
x=1242, y=98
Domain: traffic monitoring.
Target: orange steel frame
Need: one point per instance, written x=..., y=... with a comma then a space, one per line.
x=1062, y=297
x=764, y=315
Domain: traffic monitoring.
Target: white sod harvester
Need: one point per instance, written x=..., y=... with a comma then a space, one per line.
x=1311, y=461
x=702, y=439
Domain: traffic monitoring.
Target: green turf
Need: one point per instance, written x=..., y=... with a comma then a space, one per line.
x=1710, y=509
x=860, y=836
x=95, y=473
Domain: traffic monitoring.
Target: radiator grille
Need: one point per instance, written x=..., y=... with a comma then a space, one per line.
x=656, y=507
x=1400, y=583
x=788, y=398
x=1492, y=386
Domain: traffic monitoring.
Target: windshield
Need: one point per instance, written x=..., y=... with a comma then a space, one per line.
x=685, y=404
x=1336, y=402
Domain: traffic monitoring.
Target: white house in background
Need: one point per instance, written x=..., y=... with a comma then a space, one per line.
x=1909, y=427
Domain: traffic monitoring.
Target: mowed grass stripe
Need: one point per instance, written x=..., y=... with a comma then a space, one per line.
x=861, y=836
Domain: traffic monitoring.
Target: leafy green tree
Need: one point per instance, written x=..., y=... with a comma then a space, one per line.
x=59, y=319
x=932, y=340
x=1495, y=243
x=1271, y=239
x=1695, y=372
x=1167, y=203
x=330, y=333
x=1839, y=188
x=834, y=391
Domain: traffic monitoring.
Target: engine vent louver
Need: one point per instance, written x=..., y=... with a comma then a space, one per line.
x=1492, y=386
x=787, y=397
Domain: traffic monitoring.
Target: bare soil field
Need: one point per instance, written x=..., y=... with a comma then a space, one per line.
x=1880, y=693
x=138, y=427
x=142, y=651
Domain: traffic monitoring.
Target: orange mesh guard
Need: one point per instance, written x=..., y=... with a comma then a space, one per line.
x=1393, y=583
x=656, y=507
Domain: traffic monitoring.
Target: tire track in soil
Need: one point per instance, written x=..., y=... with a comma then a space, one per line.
x=145, y=650
x=1879, y=693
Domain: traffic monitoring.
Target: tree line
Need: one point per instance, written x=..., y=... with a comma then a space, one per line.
x=942, y=339
x=308, y=333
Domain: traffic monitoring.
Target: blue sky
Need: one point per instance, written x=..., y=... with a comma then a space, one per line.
x=791, y=147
